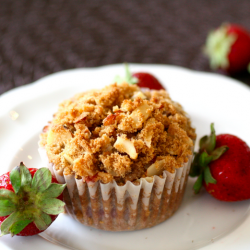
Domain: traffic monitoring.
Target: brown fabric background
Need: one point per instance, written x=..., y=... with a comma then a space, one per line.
x=40, y=37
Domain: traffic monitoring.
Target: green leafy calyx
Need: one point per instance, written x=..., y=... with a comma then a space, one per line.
x=128, y=77
x=218, y=46
x=33, y=200
x=206, y=154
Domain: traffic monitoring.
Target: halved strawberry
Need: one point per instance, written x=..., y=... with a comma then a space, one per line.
x=30, y=199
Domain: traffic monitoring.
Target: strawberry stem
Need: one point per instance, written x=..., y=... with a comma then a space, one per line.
x=128, y=77
x=208, y=177
x=198, y=184
x=206, y=154
x=18, y=226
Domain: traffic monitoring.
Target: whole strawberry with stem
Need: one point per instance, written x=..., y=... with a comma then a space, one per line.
x=142, y=79
x=223, y=167
x=30, y=200
x=228, y=48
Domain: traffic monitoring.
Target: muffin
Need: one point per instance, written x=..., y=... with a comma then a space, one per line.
x=125, y=154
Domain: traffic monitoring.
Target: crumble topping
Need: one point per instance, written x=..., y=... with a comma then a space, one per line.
x=118, y=133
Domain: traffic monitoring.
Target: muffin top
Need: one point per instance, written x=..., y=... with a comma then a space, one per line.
x=118, y=133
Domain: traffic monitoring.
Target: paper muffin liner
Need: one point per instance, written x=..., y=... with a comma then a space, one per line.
x=111, y=207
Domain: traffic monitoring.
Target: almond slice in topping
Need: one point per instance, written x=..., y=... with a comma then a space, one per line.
x=139, y=94
x=156, y=168
x=58, y=134
x=109, y=120
x=68, y=159
x=81, y=118
x=113, y=118
x=125, y=145
x=144, y=109
x=147, y=132
x=148, y=139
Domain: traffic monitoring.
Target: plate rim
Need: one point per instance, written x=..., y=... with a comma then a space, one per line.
x=12, y=92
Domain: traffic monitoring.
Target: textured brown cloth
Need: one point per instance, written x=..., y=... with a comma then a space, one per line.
x=40, y=37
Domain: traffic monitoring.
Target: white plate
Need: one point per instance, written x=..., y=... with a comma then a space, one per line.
x=201, y=220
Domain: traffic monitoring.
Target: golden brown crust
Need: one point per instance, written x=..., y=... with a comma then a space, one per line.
x=117, y=133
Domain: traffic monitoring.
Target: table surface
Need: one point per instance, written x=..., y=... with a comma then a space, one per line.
x=38, y=38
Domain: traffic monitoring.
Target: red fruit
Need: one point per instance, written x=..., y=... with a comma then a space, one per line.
x=228, y=48
x=231, y=170
x=223, y=167
x=146, y=80
x=142, y=79
x=30, y=200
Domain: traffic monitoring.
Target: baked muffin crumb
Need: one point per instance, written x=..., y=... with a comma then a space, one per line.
x=118, y=133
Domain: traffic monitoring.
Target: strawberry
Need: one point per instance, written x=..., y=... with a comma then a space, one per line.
x=142, y=79
x=228, y=48
x=28, y=203
x=146, y=80
x=223, y=167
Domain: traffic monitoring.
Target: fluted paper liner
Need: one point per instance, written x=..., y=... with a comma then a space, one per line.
x=123, y=208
